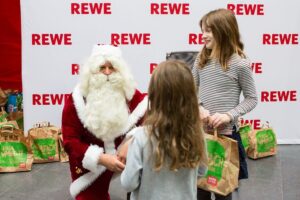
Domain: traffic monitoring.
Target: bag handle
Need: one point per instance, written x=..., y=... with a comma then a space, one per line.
x=265, y=125
x=7, y=128
x=215, y=132
x=42, y=124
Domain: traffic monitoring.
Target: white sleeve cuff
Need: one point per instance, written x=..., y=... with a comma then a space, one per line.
x=91, y=157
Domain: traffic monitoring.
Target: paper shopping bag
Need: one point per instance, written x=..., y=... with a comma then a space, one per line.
x=15, y=151
x=245, y=131
x=44, y=142
x=263, y=143
x=223, y=165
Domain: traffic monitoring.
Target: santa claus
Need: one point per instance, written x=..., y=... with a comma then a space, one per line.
x=103, y=107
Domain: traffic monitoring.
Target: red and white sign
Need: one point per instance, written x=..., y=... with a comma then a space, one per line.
x=57, y=37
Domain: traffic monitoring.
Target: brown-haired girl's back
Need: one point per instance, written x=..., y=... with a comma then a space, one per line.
x=163, y=159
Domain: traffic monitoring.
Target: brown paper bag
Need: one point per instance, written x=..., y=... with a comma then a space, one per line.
x=3, y=96
x=223, y=165
x=263, y=143
x=13, y=124
x=63, y=156
x=18, y=117
x=245, y=131
x=15, y=151
x=3, y=115
x=44, y=142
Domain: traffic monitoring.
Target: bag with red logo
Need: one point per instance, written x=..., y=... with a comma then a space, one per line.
x=263, y=143
x=15, y=151
x=223, y=165
x=44, y=142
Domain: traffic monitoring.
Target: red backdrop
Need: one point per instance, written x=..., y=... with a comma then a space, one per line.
x=10, y=45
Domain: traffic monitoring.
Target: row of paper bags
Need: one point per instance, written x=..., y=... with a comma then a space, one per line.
x=223, y=157
x=18, y=153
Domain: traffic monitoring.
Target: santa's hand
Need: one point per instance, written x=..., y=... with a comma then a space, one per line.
x=111, y=162
x=218, y=119
x=123, y=149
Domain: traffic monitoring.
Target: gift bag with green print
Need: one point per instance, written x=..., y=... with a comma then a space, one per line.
x=44, y=142
x=15, y=150
x=223, y=165
x=245, y=131
x=263, y=143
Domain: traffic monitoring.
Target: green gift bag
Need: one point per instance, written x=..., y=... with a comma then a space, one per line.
x=245, y=131
x=263, y=143
x=223, y=165
x=44, y=142
x=15, y=151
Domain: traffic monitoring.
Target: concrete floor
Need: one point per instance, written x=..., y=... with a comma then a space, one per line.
x=272, y=178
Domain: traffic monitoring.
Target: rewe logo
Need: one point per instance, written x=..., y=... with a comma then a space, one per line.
x=196, y=38
x=152, y=67
x=52, y=39
x=279, y=96
x=49, y=99
x=131, y=38
x=246, y=9
x=90, y=8
x=169, y=8
x=280, y=39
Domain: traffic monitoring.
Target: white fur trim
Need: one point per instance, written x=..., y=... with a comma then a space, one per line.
x=84, y=181
x=131, y=133
x=91, y=157
x=136, y=115
x=79, y=103
x=110, y=147
x=90, y=162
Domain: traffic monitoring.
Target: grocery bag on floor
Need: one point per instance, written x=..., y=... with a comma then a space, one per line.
x=223, y=165
x=263, y=143
x=13, y=124
x=44, y=142
x=15, y=151
x=3, y=115
x=245, y=131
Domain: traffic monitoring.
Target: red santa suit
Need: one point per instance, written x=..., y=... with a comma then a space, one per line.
x=90, y=180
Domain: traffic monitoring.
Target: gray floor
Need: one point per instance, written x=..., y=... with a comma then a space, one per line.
x=272, y=178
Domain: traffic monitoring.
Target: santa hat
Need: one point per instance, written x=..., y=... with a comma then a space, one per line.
x=100, y=54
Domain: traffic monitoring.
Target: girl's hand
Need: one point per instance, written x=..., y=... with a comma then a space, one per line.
x=122, y=151
x=111, y=162
x=218, y=119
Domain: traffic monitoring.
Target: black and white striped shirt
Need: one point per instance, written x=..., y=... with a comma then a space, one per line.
x=220, y=90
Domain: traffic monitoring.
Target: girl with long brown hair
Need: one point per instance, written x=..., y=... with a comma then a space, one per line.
x=223, y=72
x=164, y=158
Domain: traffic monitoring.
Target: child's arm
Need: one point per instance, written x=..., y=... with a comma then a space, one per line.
x=131, y=176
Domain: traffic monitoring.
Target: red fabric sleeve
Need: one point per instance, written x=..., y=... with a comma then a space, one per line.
x=73, y=131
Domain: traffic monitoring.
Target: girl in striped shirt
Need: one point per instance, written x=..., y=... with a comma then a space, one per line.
x=222, y=72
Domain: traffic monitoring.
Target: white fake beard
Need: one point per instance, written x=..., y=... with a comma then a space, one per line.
x=106, y=110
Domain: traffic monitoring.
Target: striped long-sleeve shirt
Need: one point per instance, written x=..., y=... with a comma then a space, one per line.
x=220, y=90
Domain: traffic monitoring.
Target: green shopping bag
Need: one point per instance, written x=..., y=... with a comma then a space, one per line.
x=223, y=165
x=15, y=151
x=244, y=131
x=263, y=143
x=44, y=142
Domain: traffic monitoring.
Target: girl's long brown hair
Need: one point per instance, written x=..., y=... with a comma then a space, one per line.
x=172, y=118
x=225, y=30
